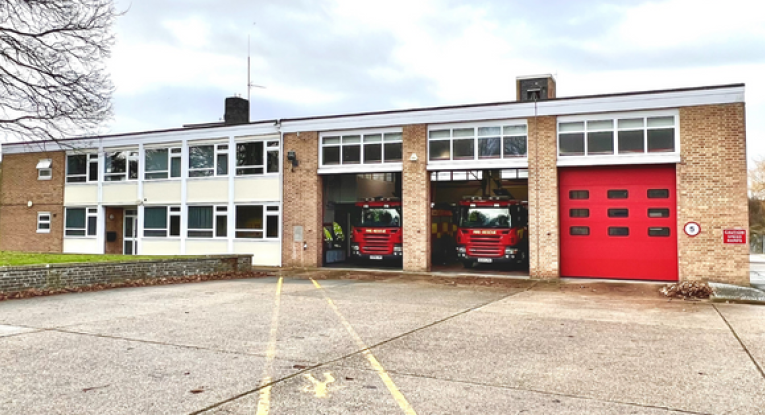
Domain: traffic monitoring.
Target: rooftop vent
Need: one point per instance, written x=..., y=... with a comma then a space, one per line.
x=534, y=88
x=237, y=111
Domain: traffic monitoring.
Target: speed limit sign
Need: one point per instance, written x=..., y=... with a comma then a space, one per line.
x=692, y=228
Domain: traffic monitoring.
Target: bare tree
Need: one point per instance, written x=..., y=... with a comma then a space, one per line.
x=53, y=81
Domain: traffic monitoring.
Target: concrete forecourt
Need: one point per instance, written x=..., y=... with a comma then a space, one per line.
x=398, y=345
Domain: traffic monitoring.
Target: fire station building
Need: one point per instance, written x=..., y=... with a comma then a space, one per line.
x=645, y=185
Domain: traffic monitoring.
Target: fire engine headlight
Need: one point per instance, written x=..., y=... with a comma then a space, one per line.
x=355, y=247
x=461, y=249
x=511, y=251
x=398, y=248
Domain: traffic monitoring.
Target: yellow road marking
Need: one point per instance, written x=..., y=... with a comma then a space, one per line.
x=264, y=399
x=320, y=389
x=397, y=395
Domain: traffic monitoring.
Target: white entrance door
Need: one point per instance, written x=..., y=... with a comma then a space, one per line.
x=130, y=232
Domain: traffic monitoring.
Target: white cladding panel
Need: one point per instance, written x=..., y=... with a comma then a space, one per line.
x=206, y=247
x=168, y=192
x=116, y=193
x=207, y=190
x=150, y=246
x=263, y=253
x=260, y=189
x=82, y=246
x=81, y=195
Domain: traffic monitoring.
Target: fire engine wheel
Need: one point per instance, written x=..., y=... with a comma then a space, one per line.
x=467, y=264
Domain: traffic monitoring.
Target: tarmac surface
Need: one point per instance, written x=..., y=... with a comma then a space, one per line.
x=400, y=344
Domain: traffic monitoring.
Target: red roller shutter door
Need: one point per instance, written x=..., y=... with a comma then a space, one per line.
x=619, y=222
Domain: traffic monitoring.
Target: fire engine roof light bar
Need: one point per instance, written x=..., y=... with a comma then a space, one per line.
x=379, y=199
x=488, y=198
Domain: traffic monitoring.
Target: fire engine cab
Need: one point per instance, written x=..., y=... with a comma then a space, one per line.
x=492, y=230
x=378, y=235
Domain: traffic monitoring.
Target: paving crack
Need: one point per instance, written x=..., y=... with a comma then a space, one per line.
x=741, y=342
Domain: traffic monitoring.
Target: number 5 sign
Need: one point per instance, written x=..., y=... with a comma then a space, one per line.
x=692, y=228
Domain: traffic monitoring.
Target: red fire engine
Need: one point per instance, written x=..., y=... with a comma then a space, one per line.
x=492, y=230
x=378, y=235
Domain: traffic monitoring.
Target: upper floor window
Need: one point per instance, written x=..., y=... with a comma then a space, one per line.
x=44, y=172
x=120, y=166
x=81, y=168
x=478, y=143
x=208, y=160
x=162, y=163
x=620, y=135
x=257, y=157
x=371, y=148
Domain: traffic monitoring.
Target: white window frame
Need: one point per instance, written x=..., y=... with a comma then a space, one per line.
x=270, y=146
x=44, y=165
x=219, y=149
x=506, y=131
x=123, y=176
x=173, y=152
x=42, y=221
x=90, y=212
x=644, y=157
x=91, y=162
x=387, y=136
x=170, y=211
x=269, y=210
x=217, y=211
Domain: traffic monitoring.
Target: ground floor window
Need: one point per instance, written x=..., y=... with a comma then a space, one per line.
x=162, y=221
x=257, y=222
x=208, y=221
x=80, y=221
x=43, y=222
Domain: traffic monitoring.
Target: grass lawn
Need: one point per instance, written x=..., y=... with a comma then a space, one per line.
x=12, y=259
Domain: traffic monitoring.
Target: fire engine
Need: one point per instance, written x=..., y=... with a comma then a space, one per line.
x=378, y=235
x=492, y=230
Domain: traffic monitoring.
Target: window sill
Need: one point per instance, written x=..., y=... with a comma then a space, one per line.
x=43, y=231
x=509, y=163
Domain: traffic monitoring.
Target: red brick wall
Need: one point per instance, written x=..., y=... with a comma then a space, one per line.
x=712, y=190
x=19, y=185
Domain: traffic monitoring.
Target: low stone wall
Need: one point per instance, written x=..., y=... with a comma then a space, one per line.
x=51, y=276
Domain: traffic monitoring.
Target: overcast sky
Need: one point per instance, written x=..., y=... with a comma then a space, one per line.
x=176, y=61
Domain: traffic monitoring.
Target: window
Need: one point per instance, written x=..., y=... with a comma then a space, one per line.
x=162, y=221
x=579, y=194
x=43, y=222
x=477, y=143
x=257, y=222
x=618, y=231
x=80, y=221
x=81, y=168
x=372, y=148
x=162, y=163
x=579, y=213
x=44, y=171
x=658, y=231
x=257, y=157
x=207, y=221
x=618, y=194
x=208, y=160
x=658, y=213
x=618, y=213
x=658, y=193
x=629, y=135
x=579, y=230
x=120, y=166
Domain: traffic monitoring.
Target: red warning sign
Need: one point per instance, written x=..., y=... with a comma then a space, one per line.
x=734, y=236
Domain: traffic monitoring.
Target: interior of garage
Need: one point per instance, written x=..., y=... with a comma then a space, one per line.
x=346, y=206
x=452, y=194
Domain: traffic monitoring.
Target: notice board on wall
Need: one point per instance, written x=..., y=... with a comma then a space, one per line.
x=734, y=236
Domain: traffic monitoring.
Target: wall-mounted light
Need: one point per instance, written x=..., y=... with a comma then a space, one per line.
x=291, y=156
x=29, y=204
x=413, y=157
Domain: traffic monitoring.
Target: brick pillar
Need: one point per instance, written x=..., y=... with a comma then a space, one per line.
x=544, y=240
x=712, y=190
x=303, y=200
x=416, y=199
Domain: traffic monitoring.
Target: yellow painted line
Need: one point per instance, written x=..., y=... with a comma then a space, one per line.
x=397, y=395
x=264, y=398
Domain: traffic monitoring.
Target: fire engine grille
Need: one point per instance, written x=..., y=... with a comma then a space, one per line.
x=376, y=244
x=485, y=246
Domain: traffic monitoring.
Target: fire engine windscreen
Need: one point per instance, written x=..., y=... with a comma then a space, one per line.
x=485, y=217
x=377, y=217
